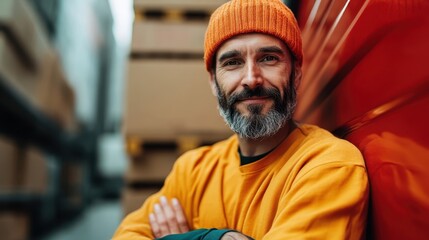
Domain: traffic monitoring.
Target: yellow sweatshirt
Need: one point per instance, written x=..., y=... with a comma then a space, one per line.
x=312, y=186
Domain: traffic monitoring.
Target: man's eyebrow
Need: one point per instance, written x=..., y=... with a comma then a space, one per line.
x=229, y=54
x=271, y=49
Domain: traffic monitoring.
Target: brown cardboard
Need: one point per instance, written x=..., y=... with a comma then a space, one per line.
x=31, y=85
x=62, y=110
x=35, y=171
x=151, y=166
x=8, y=165
x=13, y=72
x=66, y=106
x=133, y=199
x=169, y=37
x=14, y=226
x=22, y=169
x=26, y=54
x=21, y=21
x=45, y=80
x=169, y=98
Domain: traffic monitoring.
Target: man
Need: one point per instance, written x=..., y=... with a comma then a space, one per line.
x=274, y=179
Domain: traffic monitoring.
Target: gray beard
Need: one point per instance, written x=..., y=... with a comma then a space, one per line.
x=257, y=125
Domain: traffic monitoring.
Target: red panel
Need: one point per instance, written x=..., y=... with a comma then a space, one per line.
x=321, y=65
x=318, y=40
x=304, y=12
x=368, y=77
x=362, y=25
x=396, y=151
x=314, y=20
x=394, y=66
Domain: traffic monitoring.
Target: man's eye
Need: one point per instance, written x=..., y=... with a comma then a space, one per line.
x=269, y=58
x=231, y=63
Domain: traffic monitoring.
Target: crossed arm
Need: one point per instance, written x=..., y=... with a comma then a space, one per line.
x=168, y=218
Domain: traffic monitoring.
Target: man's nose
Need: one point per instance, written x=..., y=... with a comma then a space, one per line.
x=252, y=78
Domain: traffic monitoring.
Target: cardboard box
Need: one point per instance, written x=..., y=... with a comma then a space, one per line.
x=22, y=169
x=22, y=22
x=168, y=37
x=35, y=172
x=14, y=226
x=66, y=104
x=13, y=72
x=133, y=199
x=32, y=86
x=169, y=98
x=151, y=166
x=8, y=165
x=26, y=55
x=62, y=110
x=45, y=79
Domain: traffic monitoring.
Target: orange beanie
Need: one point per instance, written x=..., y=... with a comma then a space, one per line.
x=252, y=16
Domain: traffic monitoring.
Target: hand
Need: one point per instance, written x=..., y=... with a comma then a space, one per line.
x=235, y=236
x=168, y=218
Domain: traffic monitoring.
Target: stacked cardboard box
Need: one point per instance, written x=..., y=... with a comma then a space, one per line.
x=34, y=171
x=8, y=165
x=25, y=52
x=14, y=225
x=30, y=66
x=169, y=98
x=22, y=169
x=62, y=110
x=23, y=172
x=30, y=69
x=169, y=101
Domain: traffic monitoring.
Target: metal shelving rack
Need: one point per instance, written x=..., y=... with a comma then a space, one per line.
x=27, y=125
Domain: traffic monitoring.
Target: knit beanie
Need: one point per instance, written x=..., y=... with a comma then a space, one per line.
x=252, y=16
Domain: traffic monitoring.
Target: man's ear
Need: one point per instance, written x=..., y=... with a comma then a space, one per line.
x=213, y=83
x=298, y=75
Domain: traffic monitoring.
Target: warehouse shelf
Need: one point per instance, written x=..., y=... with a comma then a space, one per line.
x=23, y=122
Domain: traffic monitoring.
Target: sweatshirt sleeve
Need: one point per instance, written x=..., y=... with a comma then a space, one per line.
x=199, y=234
x=327, y=202
x=136, y=226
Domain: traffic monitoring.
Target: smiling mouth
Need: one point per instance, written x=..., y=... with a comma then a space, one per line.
x=254, y=100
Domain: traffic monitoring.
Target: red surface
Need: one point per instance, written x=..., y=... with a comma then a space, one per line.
x=396, y=150
x=367, y=74
x=304, y=12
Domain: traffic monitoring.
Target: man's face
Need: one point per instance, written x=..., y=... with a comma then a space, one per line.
x=252, y=81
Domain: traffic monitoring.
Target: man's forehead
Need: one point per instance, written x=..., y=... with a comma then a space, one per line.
x=252, y=41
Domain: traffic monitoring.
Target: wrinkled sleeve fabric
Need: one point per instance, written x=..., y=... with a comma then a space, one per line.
x=326, y=202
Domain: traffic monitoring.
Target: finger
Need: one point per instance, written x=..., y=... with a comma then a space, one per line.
x=180, y=216
x=170, y=216
x=161, y=220
x=154, y=226
x=235, y=236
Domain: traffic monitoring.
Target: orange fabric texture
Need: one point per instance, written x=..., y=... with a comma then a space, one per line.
x=312, y=186
x=246, y=16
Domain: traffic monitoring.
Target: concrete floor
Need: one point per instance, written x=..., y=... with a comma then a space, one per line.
x=98, y=222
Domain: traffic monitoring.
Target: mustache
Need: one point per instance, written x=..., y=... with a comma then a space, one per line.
x=257, y=92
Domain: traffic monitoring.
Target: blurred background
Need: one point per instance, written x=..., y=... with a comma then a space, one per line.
x=99, y=97
x=97, y=100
